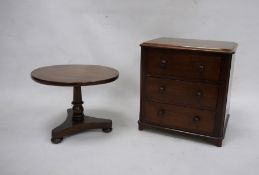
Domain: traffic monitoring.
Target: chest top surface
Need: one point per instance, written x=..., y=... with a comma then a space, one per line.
x=193, y=44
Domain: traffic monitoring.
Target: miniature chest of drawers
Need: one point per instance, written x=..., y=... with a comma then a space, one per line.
x=185, y=86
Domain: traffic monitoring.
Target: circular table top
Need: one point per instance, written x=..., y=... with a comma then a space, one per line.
x=74, y=75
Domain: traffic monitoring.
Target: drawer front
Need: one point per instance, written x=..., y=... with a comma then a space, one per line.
x=177, y=117
x=180, y=64
x=199, y=95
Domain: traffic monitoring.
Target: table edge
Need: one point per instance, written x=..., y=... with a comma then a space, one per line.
x=52, y=83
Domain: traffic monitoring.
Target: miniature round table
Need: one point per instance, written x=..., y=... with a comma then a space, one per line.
x=76, y=76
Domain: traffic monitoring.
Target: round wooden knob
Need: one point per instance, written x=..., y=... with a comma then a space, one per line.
x=199, y=93
x=163, y=64
x=161, y=112
x=196, y=118
x=162, y=89
x=201, y=68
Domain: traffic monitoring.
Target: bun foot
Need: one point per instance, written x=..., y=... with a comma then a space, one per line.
x=217, y=143
x=140, y=126
x=107, y=130
x=56, y=140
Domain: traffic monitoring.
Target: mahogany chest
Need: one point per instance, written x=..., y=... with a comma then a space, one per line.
x=185, y=86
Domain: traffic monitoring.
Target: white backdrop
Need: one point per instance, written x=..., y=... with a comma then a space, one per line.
x=36, y=33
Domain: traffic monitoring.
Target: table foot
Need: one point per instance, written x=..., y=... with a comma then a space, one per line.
x=56, y=140
x=107, y=130
x=70, y=126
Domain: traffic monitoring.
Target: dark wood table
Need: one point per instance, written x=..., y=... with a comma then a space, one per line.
x=76, y=76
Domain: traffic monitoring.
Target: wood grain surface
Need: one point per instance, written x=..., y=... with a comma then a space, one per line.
x=193, y=44
x=74, y=75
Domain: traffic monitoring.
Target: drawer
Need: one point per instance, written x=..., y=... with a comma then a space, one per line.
x=184, y=65
x=177, y=117
x=201, y=95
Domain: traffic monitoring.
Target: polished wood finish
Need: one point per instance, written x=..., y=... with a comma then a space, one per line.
x=179, y=117
x=78, y=109
x=184, y=86
x=182, y=65
x=193, y=44
x=71, y=126
x=76, y=76
x=183, y=93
